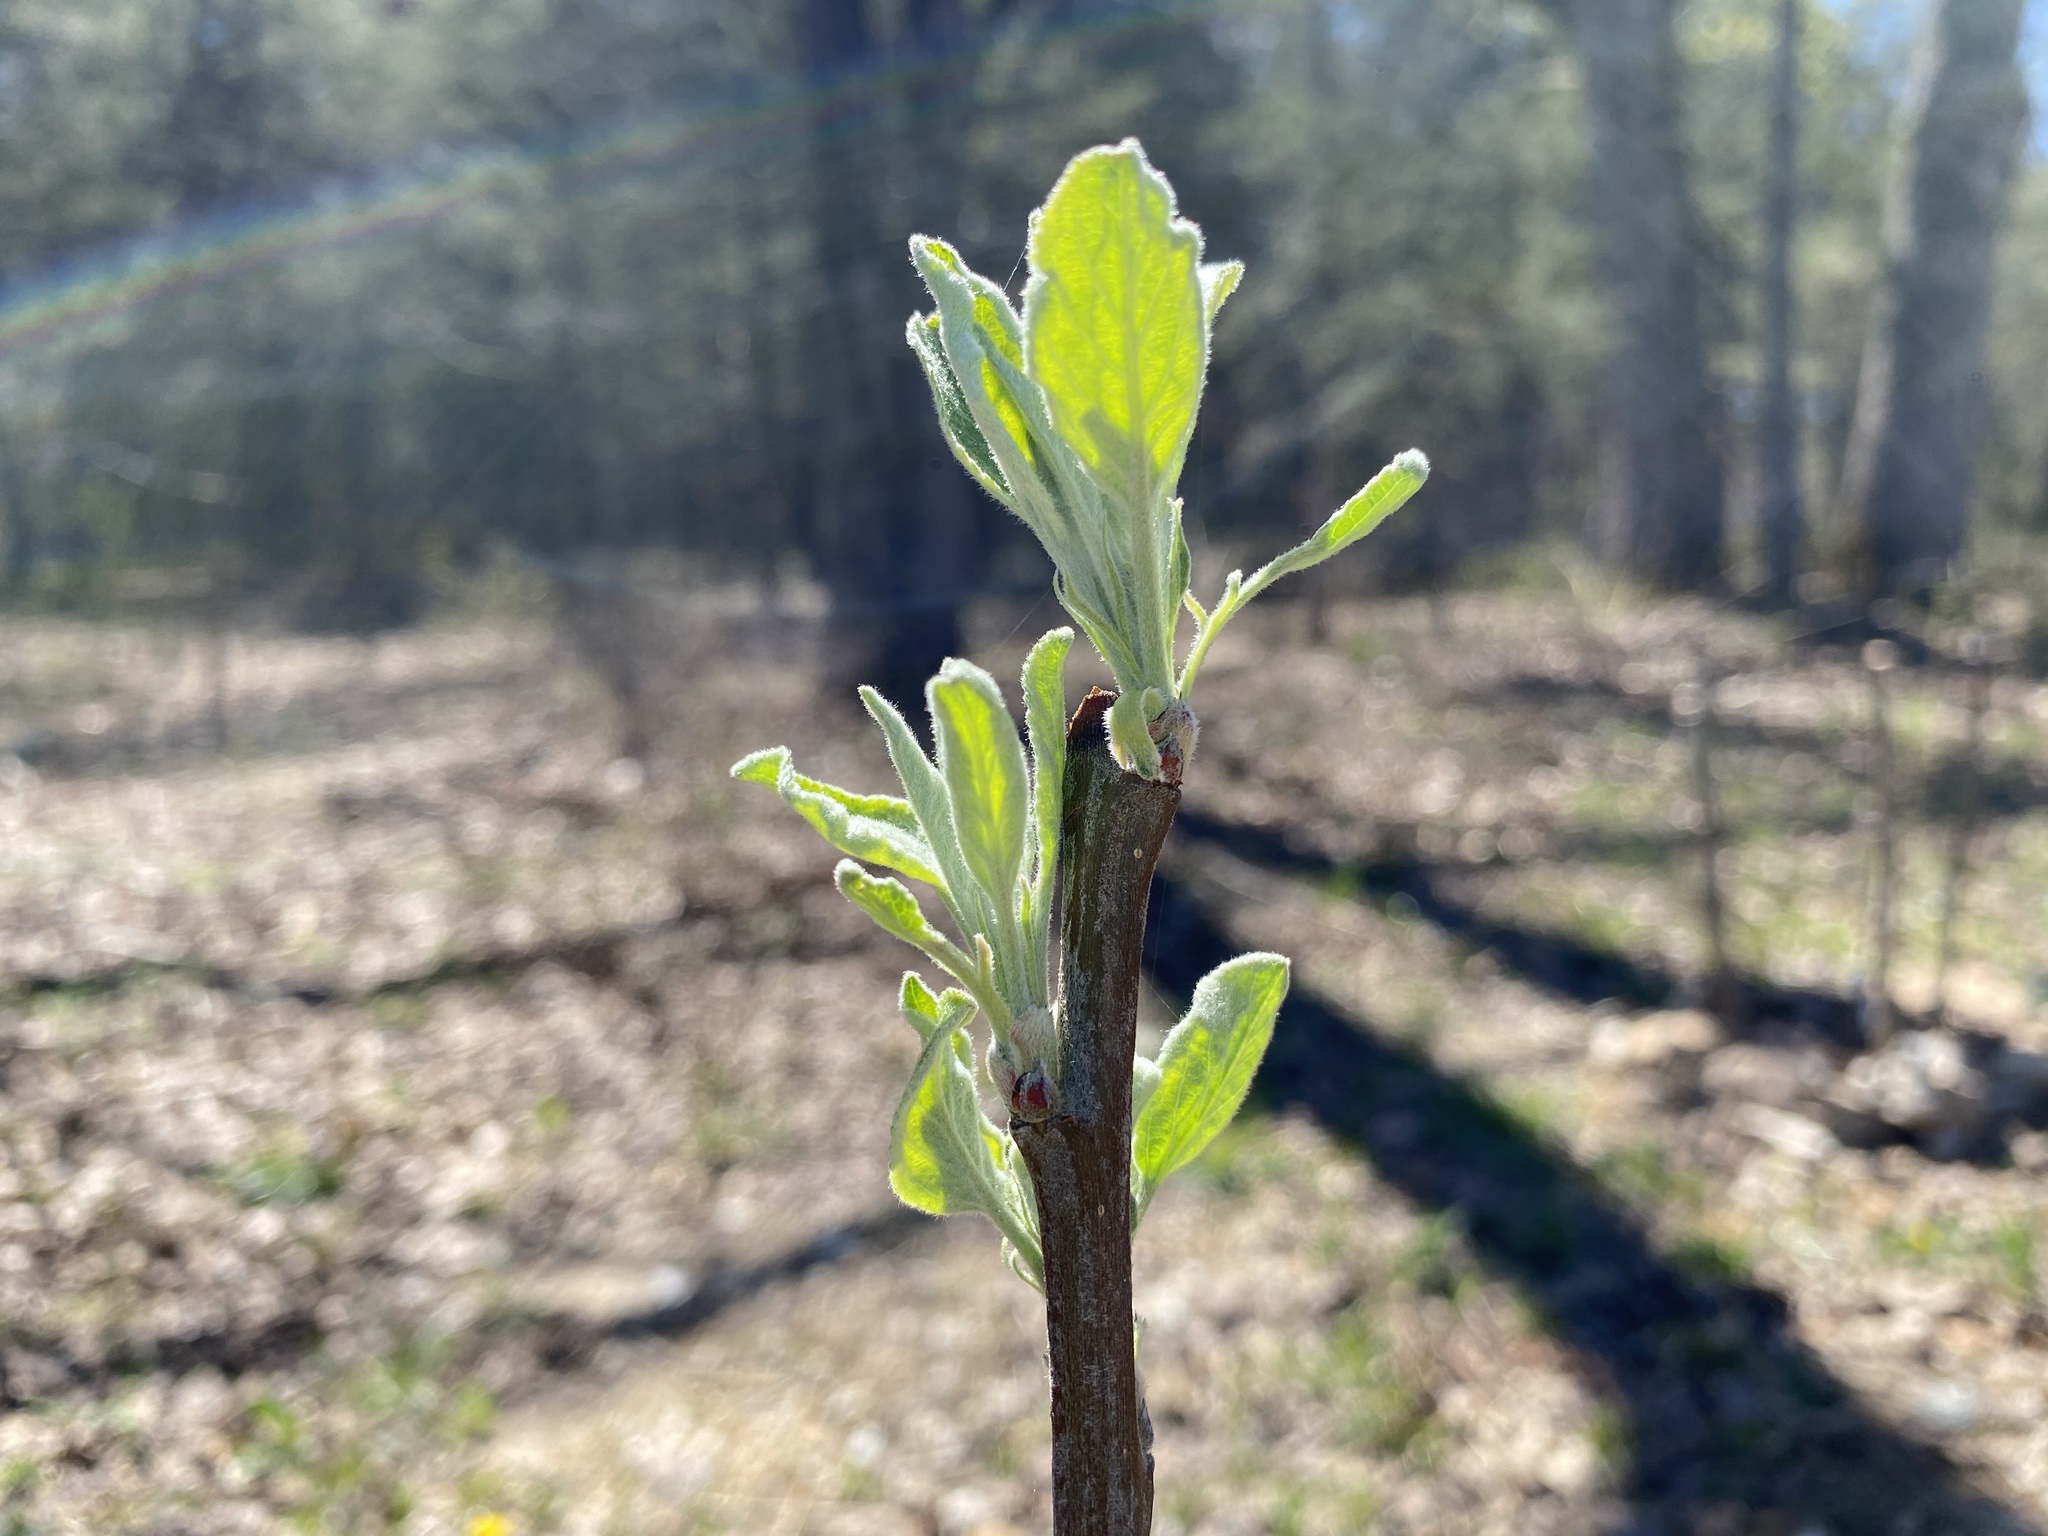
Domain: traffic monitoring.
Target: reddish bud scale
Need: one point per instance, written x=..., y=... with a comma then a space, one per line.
x=1033, y=1098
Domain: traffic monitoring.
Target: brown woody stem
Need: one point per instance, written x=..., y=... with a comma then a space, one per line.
x=1113, y=826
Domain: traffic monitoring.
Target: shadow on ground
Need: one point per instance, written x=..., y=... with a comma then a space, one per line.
x=1560, y=964
x=1723, y=1403
x=2001, y=785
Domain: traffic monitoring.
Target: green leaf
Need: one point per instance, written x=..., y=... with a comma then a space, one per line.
x=1385, y=493
x=928, y=798
x=1130, y=735
x=1219, y=282
x=1045, y=721
x=877, y=828
x=1180, y=568
x=925, y=1013
x=979, y=333
x=956, y=418
x=894, y=910
x=982, y=763
x=1113, y=320
x=1206, y=1066
x=945, y=1158
x=1380, y=497
x=1144, y=1083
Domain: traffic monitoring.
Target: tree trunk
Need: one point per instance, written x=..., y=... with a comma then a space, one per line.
x=1778, y=436
x=1080, y=1159
x=1660, y=510
x=1906, y=470
x=892, y=515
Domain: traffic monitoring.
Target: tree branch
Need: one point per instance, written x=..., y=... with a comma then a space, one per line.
x=1079, y=1159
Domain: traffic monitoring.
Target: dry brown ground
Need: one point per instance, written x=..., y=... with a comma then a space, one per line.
x=414, y=1118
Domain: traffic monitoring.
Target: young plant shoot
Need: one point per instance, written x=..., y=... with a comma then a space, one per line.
x=1076, y=415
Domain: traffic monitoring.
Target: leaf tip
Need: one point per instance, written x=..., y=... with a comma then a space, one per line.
x=762, y=767
x=927, y=251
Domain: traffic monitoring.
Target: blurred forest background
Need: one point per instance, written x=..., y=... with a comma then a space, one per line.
x=438, y=437
x=316, y=300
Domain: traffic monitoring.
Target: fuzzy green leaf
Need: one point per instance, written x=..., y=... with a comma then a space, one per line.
x=1045, y=721
x=984, y=349
x=1219, y=282
x=1180, y=568
x=928, y=798
x=1130, y=735
x=982, y=763
x=945, y=1158
x=956, y=418
x=1385, y=493
x=891, y=905
x=879, y=829
x=1380, y=497
x=1113, y=320
x=925, y=1013
x=1144, y=1083
x=1206, y=1066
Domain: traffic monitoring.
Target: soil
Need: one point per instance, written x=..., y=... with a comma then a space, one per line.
x=414, y=1116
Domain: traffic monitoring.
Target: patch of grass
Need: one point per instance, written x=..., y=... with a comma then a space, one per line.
x=1600, y=927
x=482, y=1206
x=1289, y=1516
x=551, y=1115
x=347, y=1473
x=860, y=1485
x=1344, y=883
x=2009, y=1250
x=1356, y=1509
x=471, y=1412
x=731, y=1132
x=341, y=1486
x=1375, y=1401
x=1535, y=1110
x=489, y=880
x=403, y=1010
x=1927, y=1241
x=2012, y=1246
x=284, y=1175
x=1641, y=1175
x=1713, y=1257
x=1612, y=1438
x=1240, y=1158
x=19, y=1477
x=1436, y=1261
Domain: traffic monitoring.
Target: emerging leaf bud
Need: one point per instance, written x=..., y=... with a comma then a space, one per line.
x=1002, y=1070
x=1035, y=1040
x=1130, y=736
x=1175, y=728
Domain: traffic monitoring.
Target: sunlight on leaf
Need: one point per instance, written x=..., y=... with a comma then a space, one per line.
x=1205, y=1067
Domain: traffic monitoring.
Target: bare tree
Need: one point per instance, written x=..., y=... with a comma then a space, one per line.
x=1905, y=480
x=1880, y=657
x=1779, y=434
x=890, y=516
x=1974, y=653
x=1660, y=513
